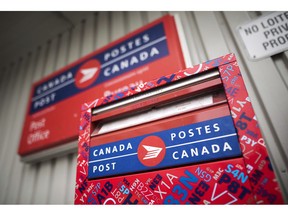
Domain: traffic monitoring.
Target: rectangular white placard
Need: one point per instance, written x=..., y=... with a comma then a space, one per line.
x=265, y=36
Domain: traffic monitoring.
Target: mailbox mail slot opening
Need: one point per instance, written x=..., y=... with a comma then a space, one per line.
x=188, y=89
x=184, y=82
x=159, y=111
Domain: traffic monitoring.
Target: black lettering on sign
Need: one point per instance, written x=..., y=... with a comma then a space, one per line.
x=275, y=42
x=250, y=30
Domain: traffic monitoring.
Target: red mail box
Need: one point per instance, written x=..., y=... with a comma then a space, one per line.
x=179, y=139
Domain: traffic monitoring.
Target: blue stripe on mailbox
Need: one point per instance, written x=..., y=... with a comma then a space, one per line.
x=199, y=142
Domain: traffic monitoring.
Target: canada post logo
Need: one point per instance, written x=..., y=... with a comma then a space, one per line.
x=151, y=151
x=87, y=73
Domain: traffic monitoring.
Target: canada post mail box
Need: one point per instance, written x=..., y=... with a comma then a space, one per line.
x=186, y=138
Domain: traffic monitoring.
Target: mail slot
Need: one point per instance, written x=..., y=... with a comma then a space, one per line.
x=186, y=132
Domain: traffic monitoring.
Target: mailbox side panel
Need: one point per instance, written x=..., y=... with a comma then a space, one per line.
x=261, y=175
x=82, y=184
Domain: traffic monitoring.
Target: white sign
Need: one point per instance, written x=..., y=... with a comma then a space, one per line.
x=265, y=36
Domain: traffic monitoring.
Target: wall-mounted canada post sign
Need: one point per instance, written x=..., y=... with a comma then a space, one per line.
x=55, y=102
x=190, y=137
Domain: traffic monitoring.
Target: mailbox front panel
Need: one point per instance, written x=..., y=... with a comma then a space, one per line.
x=219, y=156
